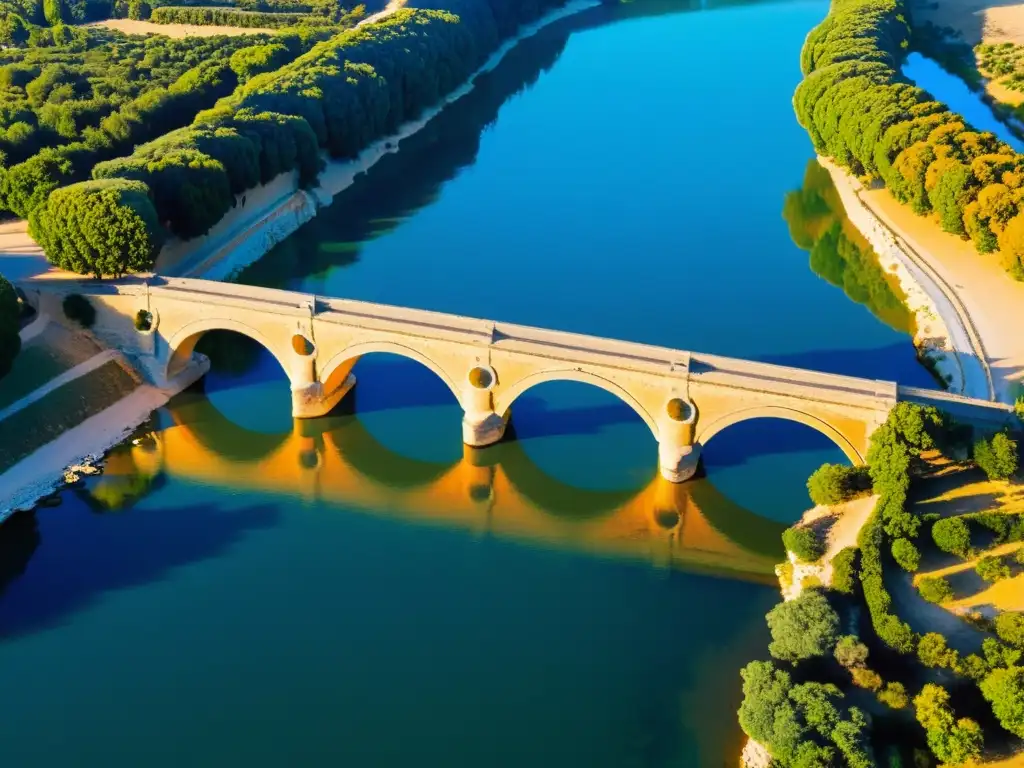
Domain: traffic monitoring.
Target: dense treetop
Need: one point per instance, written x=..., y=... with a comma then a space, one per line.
x=859, y=110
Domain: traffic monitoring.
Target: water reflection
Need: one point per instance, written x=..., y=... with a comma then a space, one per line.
x=498, y=491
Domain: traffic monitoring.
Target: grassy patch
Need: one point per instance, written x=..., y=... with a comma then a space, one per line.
x=67, y=406
x=35, y=365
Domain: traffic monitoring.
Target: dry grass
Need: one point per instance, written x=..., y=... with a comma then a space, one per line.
x=132, y=27
x=978, y=21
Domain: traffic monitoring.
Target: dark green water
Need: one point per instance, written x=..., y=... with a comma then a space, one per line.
x=241, y=590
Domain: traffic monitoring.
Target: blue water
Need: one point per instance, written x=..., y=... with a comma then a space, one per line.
x=239, y=589
x=954, y=92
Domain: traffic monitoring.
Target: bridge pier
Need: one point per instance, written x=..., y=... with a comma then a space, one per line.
x=481, y=424
x=678, y=463
x=309, y=401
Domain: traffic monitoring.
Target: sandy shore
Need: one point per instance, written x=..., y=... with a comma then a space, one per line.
x=976, y=20
x=132, y=27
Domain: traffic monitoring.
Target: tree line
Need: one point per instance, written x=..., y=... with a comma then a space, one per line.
x=859, y=110
x=335, y=99
x=273, y=16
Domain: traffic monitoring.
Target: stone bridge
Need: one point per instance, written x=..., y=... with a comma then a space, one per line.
x=685, y=398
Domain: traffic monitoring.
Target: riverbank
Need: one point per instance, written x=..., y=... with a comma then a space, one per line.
x=949, y=333
x=268, y=214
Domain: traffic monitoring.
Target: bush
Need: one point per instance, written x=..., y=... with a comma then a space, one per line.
x=952, y=535
x=952, y=741
x=851, y=652
x=935, y=589
x=867, y=679
x=10, y=314
x=78, y=309
x=803, y=543
x=803, y=628
x=99, y=227
x=992, y=569
x=894, y=696
x=1004, y=690
x=997, y=457
x=906, y=555
x=833, y=484
x=1010, y=628
x=934, y=653
x=844, y=570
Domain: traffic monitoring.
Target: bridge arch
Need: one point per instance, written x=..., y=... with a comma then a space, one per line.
x=334, y=372
x=708, y=431
x=505, y=397
x=182, y=343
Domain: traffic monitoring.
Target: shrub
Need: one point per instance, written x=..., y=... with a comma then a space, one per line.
x=935, y=589
x=851, y=652
x=906, y=555
x=992, y=569
x=1004, y=690
x=933, y=652
x=997, y=456
x=952, y=535
x=952, y=741
x=10, y=313
x=833, y=484
x=803, y=543
x=866, y=678
x=803, y=628
x=844, y=570
x=894, y=696
x=1010, y=628
x=1018, y=556
x=143, y=320
x=99, y=227
x=79, y=309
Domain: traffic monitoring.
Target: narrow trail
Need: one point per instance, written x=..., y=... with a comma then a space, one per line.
x=39, y=393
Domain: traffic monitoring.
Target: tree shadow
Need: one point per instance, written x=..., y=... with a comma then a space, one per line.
x=966, y=583
x=78, y=556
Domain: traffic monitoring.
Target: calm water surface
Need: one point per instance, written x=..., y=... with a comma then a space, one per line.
x=239, y=589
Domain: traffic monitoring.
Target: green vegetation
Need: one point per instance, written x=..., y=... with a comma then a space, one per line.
x=803, y=543
x=804, y=627
x=806, y=724
x=952, y=741
x=79, y=309
x=859, y=111
x=850, y=652
x=839, y=254
x=98, y=227
x=64, y=109
x=337, y=98
x=844, y=571
x=935, y=589
x=952, y=535
x=1010, y=628
x=10, y=314
x=906, y=554
x=833, y=484
x=1004, y=690
x=992, y=569
x=63, y=408
x=997, y=456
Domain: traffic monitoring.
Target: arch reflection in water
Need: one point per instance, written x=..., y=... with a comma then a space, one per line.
x=498, y=491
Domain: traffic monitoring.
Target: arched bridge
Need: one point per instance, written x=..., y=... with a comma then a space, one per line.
x=685, y=398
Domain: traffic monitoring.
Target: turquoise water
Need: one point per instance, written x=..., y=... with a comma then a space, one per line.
x=239, y=589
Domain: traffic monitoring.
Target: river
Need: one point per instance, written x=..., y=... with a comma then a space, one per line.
x=241, y=589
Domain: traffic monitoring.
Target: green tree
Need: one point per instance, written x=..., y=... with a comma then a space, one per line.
x=844, y=570
x=1004, y=690
x=992, y=569
x=906, y=555
x=935, y=589
x=952, y=535
x=1010, y=628
x=10, y=313
x=803, y=543
x=804, y=627
x=833, y=484
x=106, y=227
x=850, y=652
x=952, y=741
x=997, y=456
x=933, y=652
